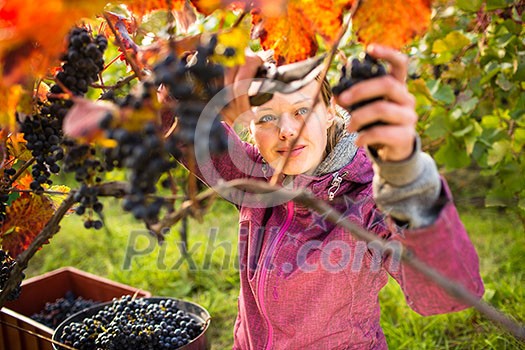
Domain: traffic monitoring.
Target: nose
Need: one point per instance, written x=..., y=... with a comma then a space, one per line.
x=288, y=127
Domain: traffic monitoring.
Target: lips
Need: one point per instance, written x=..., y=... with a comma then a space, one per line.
x=295, y=151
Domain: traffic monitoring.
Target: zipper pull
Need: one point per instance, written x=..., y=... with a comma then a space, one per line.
x=334, y=186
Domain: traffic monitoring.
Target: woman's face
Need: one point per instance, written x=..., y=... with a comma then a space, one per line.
x=277, y=125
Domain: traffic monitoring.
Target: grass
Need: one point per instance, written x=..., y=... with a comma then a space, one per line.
x=126, y=253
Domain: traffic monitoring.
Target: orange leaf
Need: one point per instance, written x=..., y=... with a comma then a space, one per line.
x=25, y=218
x=288, y=36
x=292, y=35
x=23, y=182
x=391, y=23
x=206, y=7
x=33, y=34
x=140, y=8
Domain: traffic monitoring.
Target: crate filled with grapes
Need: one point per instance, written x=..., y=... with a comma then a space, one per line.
x=28, y=322
x=136, y=323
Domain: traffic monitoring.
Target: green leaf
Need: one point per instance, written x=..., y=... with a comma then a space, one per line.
x=490, y=74
x=497, y=4
x=503, y=82
x=453, y=42
x=12, y=197
x=519, y=138
x=469, y=5
x=438, y=123
x=490, y=122
x=498, y=151
x=444, y=94
x=472, y=137
x=452, y=155
x=469, y=105
x=464, y=131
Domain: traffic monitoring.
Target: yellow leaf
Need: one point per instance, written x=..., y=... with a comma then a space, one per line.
x=10, y=97
x=57, y=198
x=230, y=47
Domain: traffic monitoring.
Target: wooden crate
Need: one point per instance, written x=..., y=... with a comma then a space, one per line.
x=39, y=290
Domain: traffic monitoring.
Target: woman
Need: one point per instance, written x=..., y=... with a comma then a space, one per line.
x=306, y=283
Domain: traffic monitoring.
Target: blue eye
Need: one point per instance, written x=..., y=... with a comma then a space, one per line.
x=302, y=111
x=266, y=118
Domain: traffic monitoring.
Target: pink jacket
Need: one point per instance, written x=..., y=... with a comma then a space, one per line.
x=308, y=284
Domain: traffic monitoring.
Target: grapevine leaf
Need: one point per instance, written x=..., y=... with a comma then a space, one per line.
x=25, y=218
x=469, y=5
x=292, y=36
x=452, y=154
x=83, y=119
x=57, y=198
x=140, y=8
x=23, y=182
x=498, y=151
x=31, y=42
x=12, y=96
x=16, y=148
x=235, y=40
x=124, y=27
x=453, y=42
x=444, y=94
x=207, y=7
x=391, y=23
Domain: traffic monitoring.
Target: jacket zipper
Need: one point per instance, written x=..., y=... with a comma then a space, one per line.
x=334, y=186
x=264, y=271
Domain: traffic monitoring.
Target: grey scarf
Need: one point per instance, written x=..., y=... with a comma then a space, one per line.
x=343, y=152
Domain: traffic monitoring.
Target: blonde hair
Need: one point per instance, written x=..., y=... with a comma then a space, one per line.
x=336, y=130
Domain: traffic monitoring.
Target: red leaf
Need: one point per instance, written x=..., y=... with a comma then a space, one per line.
x=83, y=119
x=391, y=23
x=25, y=218
x=292, y=35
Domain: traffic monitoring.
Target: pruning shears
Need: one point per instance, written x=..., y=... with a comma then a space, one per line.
x=285, y=79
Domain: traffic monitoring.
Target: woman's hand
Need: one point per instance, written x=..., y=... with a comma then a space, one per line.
x=394, y=141
x=238, y=79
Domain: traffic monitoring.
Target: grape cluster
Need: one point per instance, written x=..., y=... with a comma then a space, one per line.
x=6, y=265
x=55, y=312
x=368, y=68
x=143, y=152
x=193, y=81
x=134, y=324
x=82, y=62
x=43, y=135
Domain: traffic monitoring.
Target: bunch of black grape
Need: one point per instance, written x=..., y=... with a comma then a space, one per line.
x=43, y=132
x=134, y=324
x=144, y=153
x=82, y=63
x=55, y=312
x=367, y=68
x=43, y=135
x=6, y=265
x=82, y=160
x=193, y=81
